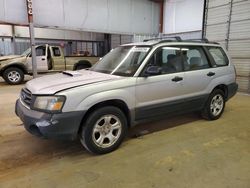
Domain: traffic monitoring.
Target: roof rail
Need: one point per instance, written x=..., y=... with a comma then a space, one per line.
x=177, y=38
x=199, y=39
x=160, y=38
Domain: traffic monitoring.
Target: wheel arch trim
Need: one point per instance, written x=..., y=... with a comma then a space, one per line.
x=111, y=102
x=14, y=65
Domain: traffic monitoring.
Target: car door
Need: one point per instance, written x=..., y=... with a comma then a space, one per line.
x=220, y=66
x=198, y=75
x=41, y=59
x=158, y=95
x=57, y=58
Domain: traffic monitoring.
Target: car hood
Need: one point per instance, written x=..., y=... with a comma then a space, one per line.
x=52, y=84
x=3, y=58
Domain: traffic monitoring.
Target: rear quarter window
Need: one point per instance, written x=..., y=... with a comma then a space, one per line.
x=219, y=56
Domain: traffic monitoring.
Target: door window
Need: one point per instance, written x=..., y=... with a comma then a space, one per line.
x=194, y=58
x=41, y=51
x=56, y=51
x=168, y=58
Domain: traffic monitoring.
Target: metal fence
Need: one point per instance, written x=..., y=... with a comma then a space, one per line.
x=71, y=47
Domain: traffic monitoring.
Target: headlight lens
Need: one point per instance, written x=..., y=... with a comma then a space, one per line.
x=49, y=103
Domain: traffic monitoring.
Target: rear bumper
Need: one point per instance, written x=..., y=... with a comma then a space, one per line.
x=232, y=90
x=59, y=126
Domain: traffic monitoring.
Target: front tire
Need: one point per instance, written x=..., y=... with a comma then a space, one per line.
x=104, y=130
x=215, y=105
x=13, y=76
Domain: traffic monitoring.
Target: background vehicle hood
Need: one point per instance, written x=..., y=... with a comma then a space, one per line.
x=51, y=84
x=8, y=57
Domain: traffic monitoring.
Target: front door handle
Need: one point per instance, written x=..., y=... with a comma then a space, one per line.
x=210, y=74
x=177, y=79
x=43, y=59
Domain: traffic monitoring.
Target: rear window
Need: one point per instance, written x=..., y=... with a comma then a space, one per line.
x=219, y=56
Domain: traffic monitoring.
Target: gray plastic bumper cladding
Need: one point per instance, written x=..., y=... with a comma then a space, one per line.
x=232, y=90
x=63, y=126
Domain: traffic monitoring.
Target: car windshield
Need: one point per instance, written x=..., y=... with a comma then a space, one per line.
x=122, y=61
x=26, y=52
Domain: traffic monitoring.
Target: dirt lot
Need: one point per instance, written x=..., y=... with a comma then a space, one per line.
x=184, y=151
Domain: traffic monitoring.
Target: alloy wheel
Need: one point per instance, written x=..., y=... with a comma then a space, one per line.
x=216, y=105
x=106, y=131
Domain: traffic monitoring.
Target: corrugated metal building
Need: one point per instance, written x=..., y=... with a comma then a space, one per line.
x=77, y=24
x=228, y=22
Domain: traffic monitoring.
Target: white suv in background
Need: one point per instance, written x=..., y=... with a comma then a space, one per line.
x=133, y=83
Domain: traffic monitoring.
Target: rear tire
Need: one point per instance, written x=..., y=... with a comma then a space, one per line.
x=83, y=64
x=13, y=76
x=80, y=67
x=214, y=106
x=104, y=130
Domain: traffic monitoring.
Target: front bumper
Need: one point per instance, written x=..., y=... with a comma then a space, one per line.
x=59, y=126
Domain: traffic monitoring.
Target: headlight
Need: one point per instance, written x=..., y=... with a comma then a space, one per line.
x=49, y=103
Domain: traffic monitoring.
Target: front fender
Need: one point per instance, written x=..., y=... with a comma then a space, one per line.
x=85, y=100
x=17, y=62
x=127, y=96
x=18, y=65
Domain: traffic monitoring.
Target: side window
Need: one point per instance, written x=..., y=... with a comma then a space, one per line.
x=194, y=58
x=56, y=51
x=219, y=56
x=41, y=51
x=168, y=58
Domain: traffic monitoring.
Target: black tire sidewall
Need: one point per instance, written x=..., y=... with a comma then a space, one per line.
x=8, y=70
x=208, y=110
x=87, y=129
x=80, y=67
x=83, y=64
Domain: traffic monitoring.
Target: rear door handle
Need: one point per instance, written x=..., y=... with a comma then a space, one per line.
x=43, y=59
x=210, y=74
x=177, y=79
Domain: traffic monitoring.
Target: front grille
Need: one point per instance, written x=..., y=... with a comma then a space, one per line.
x=26, y=96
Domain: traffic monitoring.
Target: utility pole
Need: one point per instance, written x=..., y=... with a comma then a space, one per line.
x=32, y=37
x=13, y=39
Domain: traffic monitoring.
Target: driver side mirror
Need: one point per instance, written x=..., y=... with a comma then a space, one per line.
x=153, y=70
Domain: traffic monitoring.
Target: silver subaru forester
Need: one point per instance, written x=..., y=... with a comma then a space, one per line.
x=133, y=83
